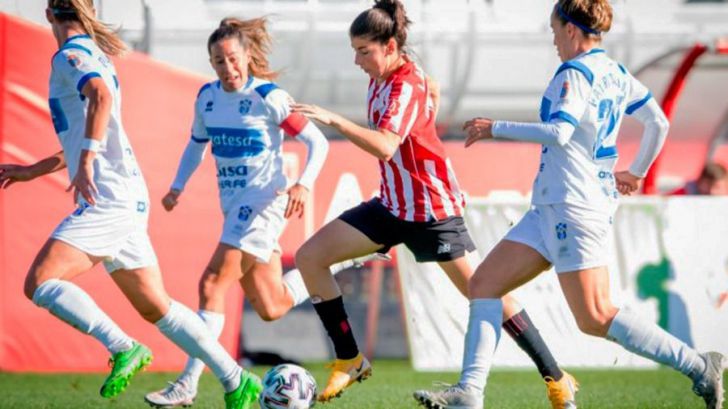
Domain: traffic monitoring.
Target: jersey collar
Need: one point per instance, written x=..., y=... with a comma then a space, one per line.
x=76, y=37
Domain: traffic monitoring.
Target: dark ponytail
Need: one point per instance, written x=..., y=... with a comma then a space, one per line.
x=386, y=19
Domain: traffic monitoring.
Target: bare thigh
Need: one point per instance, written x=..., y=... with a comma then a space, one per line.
x=587, y=293
x=57, y=260
x=508, y=266
x=265, y=290
x=143, y=287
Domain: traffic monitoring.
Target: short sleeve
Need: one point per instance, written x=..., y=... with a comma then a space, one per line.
x=568, y=94
x=76, y=66
x=638, y=96
x=401, y=111
x=204, y=102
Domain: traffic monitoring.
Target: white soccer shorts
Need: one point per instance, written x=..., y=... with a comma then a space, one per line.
x=115, y=231
x=570, y=237
x=256, y=227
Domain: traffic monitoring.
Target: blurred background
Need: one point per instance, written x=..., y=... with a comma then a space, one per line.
x=491, y=58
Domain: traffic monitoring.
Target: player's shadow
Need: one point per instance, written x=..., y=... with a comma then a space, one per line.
x=653, y=282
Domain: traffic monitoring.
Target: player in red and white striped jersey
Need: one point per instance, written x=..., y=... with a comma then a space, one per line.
x=419, y=203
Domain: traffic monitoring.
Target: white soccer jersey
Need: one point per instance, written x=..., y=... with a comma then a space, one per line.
x=117, y=175
x=246, y=129
x=592, y=92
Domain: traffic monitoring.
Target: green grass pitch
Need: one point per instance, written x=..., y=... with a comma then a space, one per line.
x=390, y=387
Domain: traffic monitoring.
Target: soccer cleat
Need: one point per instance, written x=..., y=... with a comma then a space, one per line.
x=177, y=393
x=246, y=393
x=562, y=393
x=709, y=385
x=345, y=372
x=452, y=397
x=124, y=365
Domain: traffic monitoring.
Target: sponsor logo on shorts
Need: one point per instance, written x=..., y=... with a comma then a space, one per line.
x=141, y=207
x=444, y=248
x=561, y=231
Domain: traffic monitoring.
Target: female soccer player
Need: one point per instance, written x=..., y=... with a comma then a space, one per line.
x=419, y=204
x=110, y=223
x=574, y=199
x=245, y=116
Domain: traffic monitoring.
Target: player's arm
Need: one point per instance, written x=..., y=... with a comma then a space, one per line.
x=655, y=131
x=98, y=113
x=10, y=173
x=381, y=143
x=192, y=155
x=299, y=127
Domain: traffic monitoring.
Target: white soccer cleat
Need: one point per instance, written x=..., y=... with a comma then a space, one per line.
x=176, y=394
x=452, y=397
x=709, y=385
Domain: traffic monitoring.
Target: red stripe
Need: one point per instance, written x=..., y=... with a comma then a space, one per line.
x=409, y=161
x=442, y=174
x=392, y=100
x=384, y=187
x=294, y=124
x=398, y=190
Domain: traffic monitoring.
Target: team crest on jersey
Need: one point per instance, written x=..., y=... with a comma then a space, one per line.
x=393, y=108
x=73, y=60
x=565, y=89
x=244, y=107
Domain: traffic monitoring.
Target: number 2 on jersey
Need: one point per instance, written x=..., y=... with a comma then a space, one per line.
x=606, y=143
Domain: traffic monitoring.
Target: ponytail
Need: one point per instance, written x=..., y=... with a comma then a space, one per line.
x=83, y=12
x=385, y=20
x=253, y=36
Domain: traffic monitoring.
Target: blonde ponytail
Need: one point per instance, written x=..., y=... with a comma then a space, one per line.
x=83, y=12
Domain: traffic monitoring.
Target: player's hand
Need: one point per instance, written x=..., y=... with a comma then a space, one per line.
x=10, y=174
x=314, y=112
x=170, y=200
x=477, y=129
x=627, y=183
x=297, y=197
x=83, y=184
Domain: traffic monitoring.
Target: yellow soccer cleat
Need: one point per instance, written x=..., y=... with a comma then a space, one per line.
x=562, y=393
x=345, y=372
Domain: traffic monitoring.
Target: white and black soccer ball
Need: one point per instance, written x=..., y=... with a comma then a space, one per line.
x=288, y=386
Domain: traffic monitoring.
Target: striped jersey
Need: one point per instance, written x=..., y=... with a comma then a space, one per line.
x=418, y=183
x=116, y=172
x=246, y=128
x=593, y=93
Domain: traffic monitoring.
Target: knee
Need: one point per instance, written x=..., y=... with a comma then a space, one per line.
x=596, y=322
x=152, y=313
x=210, y=288
x=481, y=286
x=32, y=281
x=270, y=313
x=308, y=258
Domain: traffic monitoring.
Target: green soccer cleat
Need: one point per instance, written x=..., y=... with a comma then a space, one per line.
x=246, y=393
x=124, y=365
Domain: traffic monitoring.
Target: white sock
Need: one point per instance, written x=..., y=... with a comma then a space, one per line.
x=215, y=322
x=187, y=331
x=481, y=340
x=296, y=287
x=650, y=341
x=75, y=307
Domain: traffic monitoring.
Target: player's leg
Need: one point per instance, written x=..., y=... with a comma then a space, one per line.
x=48, y=285
x=265, y=289
x=587, y=293
x=144, y=288
x=335, y=242
x=222, y=271
x=509, y=265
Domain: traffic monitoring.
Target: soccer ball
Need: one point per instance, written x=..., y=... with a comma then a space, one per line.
x=288, y=387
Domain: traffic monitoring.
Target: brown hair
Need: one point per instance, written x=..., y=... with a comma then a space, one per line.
x=713, y=171
x=386, y=19
x=254, y=37
x=593, y=17
x=83, y=11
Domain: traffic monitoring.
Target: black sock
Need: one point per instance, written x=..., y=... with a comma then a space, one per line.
x=522, y=330
x=333, y=316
